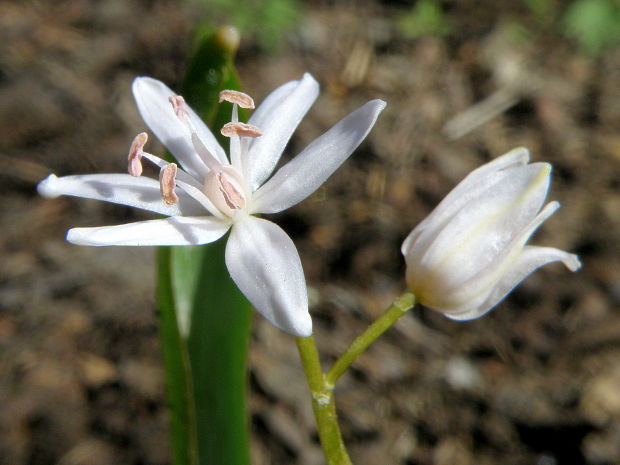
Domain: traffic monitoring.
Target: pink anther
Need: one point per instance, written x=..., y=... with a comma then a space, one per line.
x=180, y=108
x=135, y=154
x=234, y=96
x=167, y=183
x=240, y=129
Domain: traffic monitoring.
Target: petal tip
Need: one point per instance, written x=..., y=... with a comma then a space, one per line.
x=142, y=86
x=75, y=236
x=137, y=82
x=47, y=187
x=302, y=327
x=143, y=80
x=381, y=104
x=522, y=154
x=472, y=314
x=308, y=76
x=308, y=80
x=572, y=262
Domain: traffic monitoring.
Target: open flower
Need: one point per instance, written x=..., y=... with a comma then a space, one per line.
x=470, y=252
x=211, y=194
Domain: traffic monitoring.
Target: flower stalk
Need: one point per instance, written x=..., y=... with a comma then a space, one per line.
x=400, y=306
x=323, y=404
x=322, y=384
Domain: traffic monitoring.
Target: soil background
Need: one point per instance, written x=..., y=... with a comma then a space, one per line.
x=537, y=381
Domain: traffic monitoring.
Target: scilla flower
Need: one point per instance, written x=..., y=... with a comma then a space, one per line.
x=470, y=252
x=211, y=194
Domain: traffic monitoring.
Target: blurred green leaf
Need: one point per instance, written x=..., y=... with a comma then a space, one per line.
x=595, y=24
x=205, y=320
x=267, y=21
x=177, y=369
x=544, y=11
x=425, y=18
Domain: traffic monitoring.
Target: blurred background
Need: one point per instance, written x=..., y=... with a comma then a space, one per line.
x=537, y=381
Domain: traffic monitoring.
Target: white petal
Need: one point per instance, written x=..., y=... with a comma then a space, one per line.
x=466, y=296
x=176, y=230
x=530, y=260
x=307, y=171
x=448, y=254
x=139, y=192
x=265, y=265
x=470, y=187
x=199, y=196
x=152, y=99
x=282, y=112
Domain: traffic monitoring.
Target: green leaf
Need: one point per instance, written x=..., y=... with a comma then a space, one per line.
x=425, y=18
x=205, y=320
x=177, y=369
x=595, y=24
x=266, y=21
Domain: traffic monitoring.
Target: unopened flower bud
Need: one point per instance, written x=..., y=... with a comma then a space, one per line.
x=470, y=252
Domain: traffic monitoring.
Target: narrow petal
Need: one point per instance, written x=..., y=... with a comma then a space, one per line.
x=470, y=187
x=152, y=99
x=530, y=260
x=307, y=171
x=124, y=189
x=282, y=112
x=176, y=230
x=199, y=196
x=466, y=296
x=477, y=235
x=265, y=265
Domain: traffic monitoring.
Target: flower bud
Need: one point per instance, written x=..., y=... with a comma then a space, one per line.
x=470, y=252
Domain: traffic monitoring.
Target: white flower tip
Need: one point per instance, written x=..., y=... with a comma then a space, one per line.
x=521, y=154
x=380, y=104
x=550, y=208
x=572, y=262
x=48, y=187
x=302, y=327
x=309, y=80
x=309, y=77
x=77, y=236
x=373, y=109
x=141, y=81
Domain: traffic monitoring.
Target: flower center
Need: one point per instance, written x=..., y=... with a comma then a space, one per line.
x=224, y=188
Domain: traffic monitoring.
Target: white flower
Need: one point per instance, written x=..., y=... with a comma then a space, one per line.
x=470, y=252
x=211, y=194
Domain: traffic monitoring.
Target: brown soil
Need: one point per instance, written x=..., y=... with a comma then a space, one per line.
x=537, y=381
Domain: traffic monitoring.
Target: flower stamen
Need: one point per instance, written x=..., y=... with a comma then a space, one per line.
x=240, y=129
x=238, y=98
x=167, y=183
x=180, y=108
x=225, y=189
x=233, y=198
x=134, y=164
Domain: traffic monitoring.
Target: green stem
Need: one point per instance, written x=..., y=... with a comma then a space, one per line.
x=322, y=385
x=400, y=306
x=323, y=404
